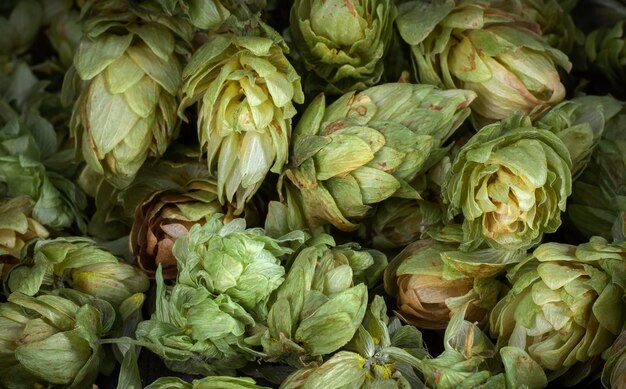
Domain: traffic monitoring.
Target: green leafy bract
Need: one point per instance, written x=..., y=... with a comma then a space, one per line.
x=27, y=147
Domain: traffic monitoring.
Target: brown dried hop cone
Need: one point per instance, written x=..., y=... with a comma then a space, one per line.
x=432, y=280
x=166, y=216
x=425, y=297
x=168, y=199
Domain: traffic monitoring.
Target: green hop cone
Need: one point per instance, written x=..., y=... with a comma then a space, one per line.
x=399, y=222
x=553, y=17
x=196, y=332
x=566, y=306
x=342, y=43
x=487, y=47
x=245, y=89
x=77, y=263
x=510, y=182
x=614, y=372
x=321, y=304
x=28, y=148
x=129, y=68
x=17, y=226
x=580, y=123
x=50, y=341
x=433, y=280
x=226, y=274
x=228, y=259
x=220, y=382
x=597, y=206
x=383, y=353
x=470, y=360
x=604, y=53
x=362, y=149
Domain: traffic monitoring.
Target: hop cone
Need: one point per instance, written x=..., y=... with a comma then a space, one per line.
x=488, y=47
x=49, y=341
x=342, y=43
x=511, y=182
x=566, y=306
x=433, y=280
x=130, y=67
x=76, y=263
x=245, y=89
x=319, y=307
x=226, y=274
x=365, y=148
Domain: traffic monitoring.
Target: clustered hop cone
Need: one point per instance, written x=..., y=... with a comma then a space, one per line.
x=129, y=70
x=342, y=43
x=362, y=149
x=245, y=88
x=488, y=47
x=314, y=194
